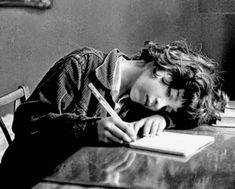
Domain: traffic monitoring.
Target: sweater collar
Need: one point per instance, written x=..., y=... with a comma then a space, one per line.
x=105, y=72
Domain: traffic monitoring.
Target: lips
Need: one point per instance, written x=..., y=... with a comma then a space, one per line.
x=146, y=101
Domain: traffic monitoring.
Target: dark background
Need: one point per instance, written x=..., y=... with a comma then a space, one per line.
x=32, y=40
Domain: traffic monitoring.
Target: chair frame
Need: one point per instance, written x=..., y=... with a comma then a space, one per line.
x=17, y=97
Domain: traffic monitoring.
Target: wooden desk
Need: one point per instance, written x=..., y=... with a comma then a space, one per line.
x=120, y=167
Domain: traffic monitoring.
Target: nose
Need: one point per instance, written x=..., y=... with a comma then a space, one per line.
x=157, y=103
x=151, y=101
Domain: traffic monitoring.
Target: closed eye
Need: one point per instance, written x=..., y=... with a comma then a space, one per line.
x=169, y=92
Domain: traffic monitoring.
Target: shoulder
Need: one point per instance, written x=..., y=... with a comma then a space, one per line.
x=86, y=52
x=79, y=59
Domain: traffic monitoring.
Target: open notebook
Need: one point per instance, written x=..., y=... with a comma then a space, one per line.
x=173, y=143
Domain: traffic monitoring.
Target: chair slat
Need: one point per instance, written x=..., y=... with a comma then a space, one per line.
x=17, y=97
x=5, y=131
x=8, y=98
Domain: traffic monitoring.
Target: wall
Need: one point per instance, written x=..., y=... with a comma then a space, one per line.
x=32, y=40
x=217, y=36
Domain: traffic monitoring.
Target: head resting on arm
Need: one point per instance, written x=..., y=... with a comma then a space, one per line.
x=192, y=71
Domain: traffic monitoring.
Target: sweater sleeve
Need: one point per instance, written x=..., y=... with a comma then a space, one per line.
x=52, y=109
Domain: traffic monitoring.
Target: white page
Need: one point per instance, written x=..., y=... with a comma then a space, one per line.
x=173, y=143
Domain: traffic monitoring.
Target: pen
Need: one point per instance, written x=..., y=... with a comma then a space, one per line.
x=103, y=102
x=106, y=105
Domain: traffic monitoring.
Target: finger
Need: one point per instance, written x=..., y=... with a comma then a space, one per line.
x=138, y=125
x=112, y=138
x=154, y=128
x=147, y=127
x=117, y=132
x=127, y=129
x=131, y=131
x=160, y=129
x=101, y=135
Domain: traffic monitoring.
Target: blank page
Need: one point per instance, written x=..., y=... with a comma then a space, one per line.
x=173, y=143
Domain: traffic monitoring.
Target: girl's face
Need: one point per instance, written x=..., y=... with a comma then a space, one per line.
x=151, y=92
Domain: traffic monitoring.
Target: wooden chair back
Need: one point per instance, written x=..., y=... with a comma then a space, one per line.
x=17, y=97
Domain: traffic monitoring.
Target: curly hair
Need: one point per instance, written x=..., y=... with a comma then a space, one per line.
x=192, y=71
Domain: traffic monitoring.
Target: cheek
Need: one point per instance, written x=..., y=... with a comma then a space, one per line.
x=137, y=92
x=150, y=86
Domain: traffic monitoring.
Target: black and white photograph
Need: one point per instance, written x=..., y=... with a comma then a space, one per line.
x=121, y=94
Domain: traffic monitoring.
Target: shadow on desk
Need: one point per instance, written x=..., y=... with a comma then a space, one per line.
x=26, y=162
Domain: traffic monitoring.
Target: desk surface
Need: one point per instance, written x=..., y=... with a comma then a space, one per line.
x=120, y=167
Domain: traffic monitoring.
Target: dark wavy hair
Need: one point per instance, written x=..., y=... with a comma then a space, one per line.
x=192, y=71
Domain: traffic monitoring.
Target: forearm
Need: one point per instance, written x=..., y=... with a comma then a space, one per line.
x=179, y=120
x=66, y=126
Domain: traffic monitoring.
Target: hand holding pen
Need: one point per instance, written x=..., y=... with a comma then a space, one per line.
x=112, y=129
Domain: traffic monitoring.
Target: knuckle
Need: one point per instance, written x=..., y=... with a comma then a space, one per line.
x=128, y=129
x=106, y=133
x=122, y=136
